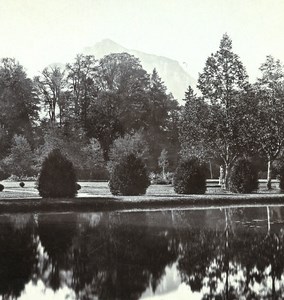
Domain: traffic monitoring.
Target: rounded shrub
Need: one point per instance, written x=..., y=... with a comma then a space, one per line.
x=57, y=177
x=1, y=187
x=190, y=177
x=129, y=177
x=21, y=184
x=78, y=186
x=243, y=177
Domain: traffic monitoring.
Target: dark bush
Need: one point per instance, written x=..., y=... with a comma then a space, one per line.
x=3, y=174
x=280, y=175
x=243, y=177
x=22, y=184
x=78, y=186
x=190, y=177
x=129, y=177
x=57, y=177
x=1, y=187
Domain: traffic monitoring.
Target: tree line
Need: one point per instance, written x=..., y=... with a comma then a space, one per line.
x=91, y=109
x=233, y=118
x=96, y=111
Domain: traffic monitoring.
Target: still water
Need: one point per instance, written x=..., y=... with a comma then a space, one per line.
x=222, y=253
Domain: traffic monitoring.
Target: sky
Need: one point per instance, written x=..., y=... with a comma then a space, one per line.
x=39, y=32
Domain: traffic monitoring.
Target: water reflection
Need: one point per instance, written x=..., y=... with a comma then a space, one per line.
x=216, y=253
x=17, y=255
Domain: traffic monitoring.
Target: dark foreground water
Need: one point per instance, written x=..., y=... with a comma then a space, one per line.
x=228, y=253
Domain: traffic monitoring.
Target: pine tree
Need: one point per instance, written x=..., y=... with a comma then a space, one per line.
x=222, y=82
x=193, y=129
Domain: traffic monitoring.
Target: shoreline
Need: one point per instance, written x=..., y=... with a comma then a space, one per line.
x=135, y=203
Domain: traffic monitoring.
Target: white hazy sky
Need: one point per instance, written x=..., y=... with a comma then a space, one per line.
x=40, y=32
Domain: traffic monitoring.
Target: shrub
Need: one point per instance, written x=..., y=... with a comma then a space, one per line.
x=280, y=171
x=1, y=187
x=57, y=177
x=129, y=177
x=3, y=174
x=190, y=177
x=78, y=186
x=243, y=177
x=22, y=184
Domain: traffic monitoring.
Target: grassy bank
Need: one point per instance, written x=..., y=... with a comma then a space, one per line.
x=95, y=196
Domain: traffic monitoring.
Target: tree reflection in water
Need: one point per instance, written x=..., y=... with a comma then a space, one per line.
x=118, y=261
x=222, y=253
x=17, y=255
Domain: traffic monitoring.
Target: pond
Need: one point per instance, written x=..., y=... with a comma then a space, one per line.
x=218, y=253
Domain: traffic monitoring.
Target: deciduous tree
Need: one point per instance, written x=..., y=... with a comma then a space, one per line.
x=51, y=88
x=21, y=160
x=269, y=118
x=122, y=99
x=82, y=84
x=18, y=104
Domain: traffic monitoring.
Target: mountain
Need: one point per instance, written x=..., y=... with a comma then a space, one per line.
x=174, y=75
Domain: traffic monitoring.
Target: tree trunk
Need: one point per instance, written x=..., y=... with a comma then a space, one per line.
x=221, y=176
x=164, y=173
x=269, y=174
x=210, y=167
x=106, y=154
x=268, y=220
x=226, y=258
x=227, y=169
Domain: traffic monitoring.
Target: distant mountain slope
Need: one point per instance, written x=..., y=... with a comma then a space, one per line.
x=172, y=73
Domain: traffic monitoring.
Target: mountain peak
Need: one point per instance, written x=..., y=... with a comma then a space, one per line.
x=104, y=47
x=108, y=42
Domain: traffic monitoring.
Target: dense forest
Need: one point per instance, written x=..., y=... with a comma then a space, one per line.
x=96, y=111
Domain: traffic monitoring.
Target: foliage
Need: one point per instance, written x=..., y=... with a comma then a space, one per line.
x=190, y=177
x=129, y=100
x=86, y=155
x=18, y=104
x=1, y=187
x=269, y=115
x=21, y=160
x=243, y=176
x=120, y=104
x=82, y=85
x=194, y=130
x=57, y=177
x=17, y=257
x=163, y=162
x=161, y=123
x=129, y=177
x=51, y=88
x=3, y=173
x=160, y=179
x=222, y=83
x=223, y=75
x=131, y=143
x=103, y=121
x=279, y=167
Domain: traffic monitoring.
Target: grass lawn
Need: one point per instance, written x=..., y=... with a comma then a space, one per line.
x=100, y=189
x=95, y=196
